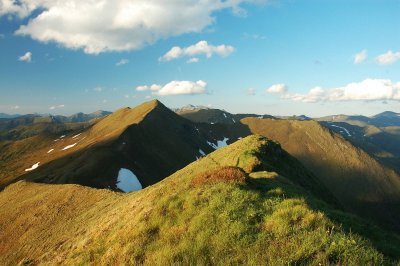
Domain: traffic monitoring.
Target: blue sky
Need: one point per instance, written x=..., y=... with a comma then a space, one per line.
x=276, y=57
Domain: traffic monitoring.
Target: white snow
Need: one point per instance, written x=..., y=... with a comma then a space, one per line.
x=212, y=123
x=76, y=135
x=233, y=120
x=225, y=115
x=50, y=150
x=202, y=152
x=220, y=143
x=347, y=132
x=260, y=117
x=36, y=165
x=127, y=181
x=69, y=146
x=239, y=137
x=63, y=136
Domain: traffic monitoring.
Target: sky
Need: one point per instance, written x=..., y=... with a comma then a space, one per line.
x=278, y=57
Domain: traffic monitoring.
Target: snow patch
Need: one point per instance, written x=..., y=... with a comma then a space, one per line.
x=36, y=165
x=261, y=117
x=212, y=123
x=69, y=146
x=225, y=115
x=233, y=120
x=76, y=135
x=347, y=132
x=50, y=150
x=220, y=143
x=239, y=137
x=63, y=136
x=202, y=152
x=127, y=181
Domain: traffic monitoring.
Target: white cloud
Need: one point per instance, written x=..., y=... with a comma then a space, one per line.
x=122, y=62
x=98, y=89
x=251, y=92
x=277, y=88
x=153, y=87
x=56, y=107
x=366, y=90
x=360, y=57
x=15, y=107
x=2, y=36
x=193, y=60
x=114, y=25
x=176, y=87
x=388, y=58
x=27, y=57
x=200, y=48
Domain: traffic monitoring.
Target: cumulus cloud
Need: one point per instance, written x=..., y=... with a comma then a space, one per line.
x=200, y=48
x=176, y=87
x=277, y=88
x=122, y=62
x=366, y=90
x=114, y=25
x=27, y=57
x=56, y=107
x=388, y=58
x=360, y=57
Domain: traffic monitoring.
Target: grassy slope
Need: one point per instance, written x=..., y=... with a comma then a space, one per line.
x=129, y=138
x=263, y=218
x=18, y=155
x=357, y=180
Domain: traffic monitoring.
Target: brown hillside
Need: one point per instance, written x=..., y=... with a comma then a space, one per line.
x=357, y=180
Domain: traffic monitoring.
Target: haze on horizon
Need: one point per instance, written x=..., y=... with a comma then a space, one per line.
x=275, y=57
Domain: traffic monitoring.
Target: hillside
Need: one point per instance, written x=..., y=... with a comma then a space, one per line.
x=357, y=180
x=214, y=116
x=234, y=206
x=149, y=142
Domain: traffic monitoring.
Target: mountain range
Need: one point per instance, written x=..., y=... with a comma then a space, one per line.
x=206, y=187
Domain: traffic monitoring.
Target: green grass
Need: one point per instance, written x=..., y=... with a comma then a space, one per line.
x=262, y=219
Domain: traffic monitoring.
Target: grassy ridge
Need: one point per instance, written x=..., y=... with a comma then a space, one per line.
x=222, y=209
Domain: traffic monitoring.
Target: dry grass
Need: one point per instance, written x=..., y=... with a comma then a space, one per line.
x=227, y=174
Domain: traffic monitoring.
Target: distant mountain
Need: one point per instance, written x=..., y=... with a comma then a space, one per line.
x=214, y=116
x=384, y=119
x=25, y=126
x=8, y=116
x=250, y=203
x=81, y=117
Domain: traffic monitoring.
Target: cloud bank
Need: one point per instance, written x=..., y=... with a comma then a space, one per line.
x=176, y=87
x=366, y=90
x=114, y=25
